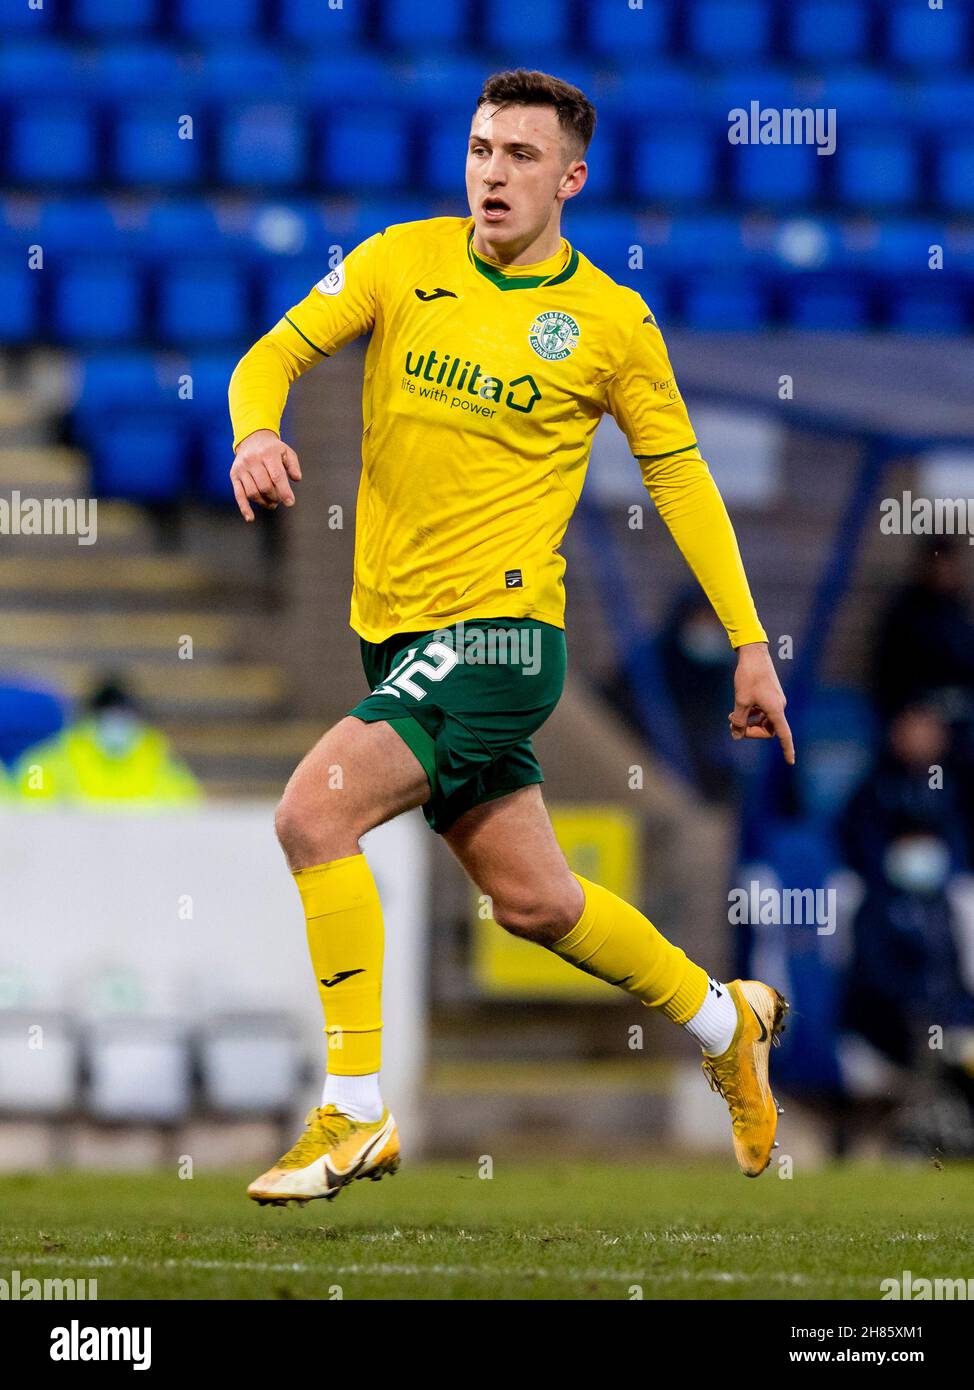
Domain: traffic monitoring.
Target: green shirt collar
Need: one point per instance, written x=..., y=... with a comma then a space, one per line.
x=497, y=276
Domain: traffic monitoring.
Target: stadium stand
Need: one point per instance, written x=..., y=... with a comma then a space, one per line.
x=192, y=173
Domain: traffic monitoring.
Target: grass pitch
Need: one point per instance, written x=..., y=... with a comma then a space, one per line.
x=568, y=1230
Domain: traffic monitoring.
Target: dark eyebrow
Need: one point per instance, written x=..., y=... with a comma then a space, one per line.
x=511, y=145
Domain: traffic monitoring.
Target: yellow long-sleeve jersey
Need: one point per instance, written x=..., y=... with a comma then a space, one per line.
x=483, y=388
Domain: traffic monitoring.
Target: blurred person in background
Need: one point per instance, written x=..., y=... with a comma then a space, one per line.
x=698, y=669
x=914, y=778
x=901, y=833
x=110, y=755
x=925, y=651
x=925, y=642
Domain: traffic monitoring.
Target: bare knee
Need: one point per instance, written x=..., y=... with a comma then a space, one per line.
x=542, y=918
x=312, y=830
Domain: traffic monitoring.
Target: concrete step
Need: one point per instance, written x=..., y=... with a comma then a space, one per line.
x=154, y=577
x=241, y=690
x=53, y=466
x=278, y=738
x=125, y=635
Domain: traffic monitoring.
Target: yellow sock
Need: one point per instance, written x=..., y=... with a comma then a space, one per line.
x=345, y=937
x=615, y=942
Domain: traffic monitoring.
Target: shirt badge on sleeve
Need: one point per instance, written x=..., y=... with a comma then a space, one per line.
x=334, y=281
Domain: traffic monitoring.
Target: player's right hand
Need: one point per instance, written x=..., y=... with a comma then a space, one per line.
x=263, y=470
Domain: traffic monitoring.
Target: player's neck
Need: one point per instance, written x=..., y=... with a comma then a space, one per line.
x=540, y=248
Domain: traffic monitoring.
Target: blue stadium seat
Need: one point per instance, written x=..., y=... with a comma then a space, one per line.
x=861, y=93
x=724, y=302
x=620, y=32
x=216, y=18
x=925, y=308
x=52, y=143
x=22, y=20
x=408, y=25
x=365, y=149
x=955, y=173
x=139, y=68
x=79, y=224
x=604, y=237
x=148, y=148
x=113, y=16
x=432, y=82
x=776, y=174
x=677, y=163
x=114, y=380
x=735, y=88
x=937, y=100
x=444, y=149
x=29, y=714
x=829, y=30
x=725, y=31
x=216, y=456
x=894, y=246
x=368, y=214
x=645, y=90
x=264, y=145
x=202, y=302
x=19, y=288
x=921, y=37
x=285, y=285
x=603, y=164
x=172, y=225
x=276, y=230
x=314, y=21
x=98, y=301
x=505, y=23
x=691, y=238
x=877, y=168
x=210, y=374
x=839, y=732
x=240, y=72
x=19, y=223
x=143, y=455
x=353, y=76
x=831, y=303
x=30, y=67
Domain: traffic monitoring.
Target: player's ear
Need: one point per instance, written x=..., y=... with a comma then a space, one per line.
x=573, y=180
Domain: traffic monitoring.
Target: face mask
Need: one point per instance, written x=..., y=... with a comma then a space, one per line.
x=705, y=643
x=116, y=732
x=918, y=864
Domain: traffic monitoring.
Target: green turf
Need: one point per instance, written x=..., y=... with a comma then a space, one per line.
x=534, y=1230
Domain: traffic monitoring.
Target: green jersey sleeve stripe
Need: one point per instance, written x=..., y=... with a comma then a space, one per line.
x=306, y=338
x=693, y=445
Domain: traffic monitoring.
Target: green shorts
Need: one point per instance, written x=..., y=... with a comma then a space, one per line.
x=466, y=699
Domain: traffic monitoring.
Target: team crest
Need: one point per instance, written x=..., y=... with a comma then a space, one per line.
x=554, y=335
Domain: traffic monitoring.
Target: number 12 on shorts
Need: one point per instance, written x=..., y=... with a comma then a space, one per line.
x=441, y=661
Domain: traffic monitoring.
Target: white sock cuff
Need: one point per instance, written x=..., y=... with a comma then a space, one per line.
x=714, y=1023
x=358, y=1097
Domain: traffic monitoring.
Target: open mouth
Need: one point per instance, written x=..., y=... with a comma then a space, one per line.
x=494, y=209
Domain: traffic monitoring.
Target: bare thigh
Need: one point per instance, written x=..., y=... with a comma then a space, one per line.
x=508, y=848
x=357, y=776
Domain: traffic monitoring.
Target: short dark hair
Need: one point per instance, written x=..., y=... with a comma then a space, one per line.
x=526, y=87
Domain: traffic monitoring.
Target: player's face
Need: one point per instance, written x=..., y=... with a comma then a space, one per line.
x=519, y=172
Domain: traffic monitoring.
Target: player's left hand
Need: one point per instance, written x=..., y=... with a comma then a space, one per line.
x=759, y=701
